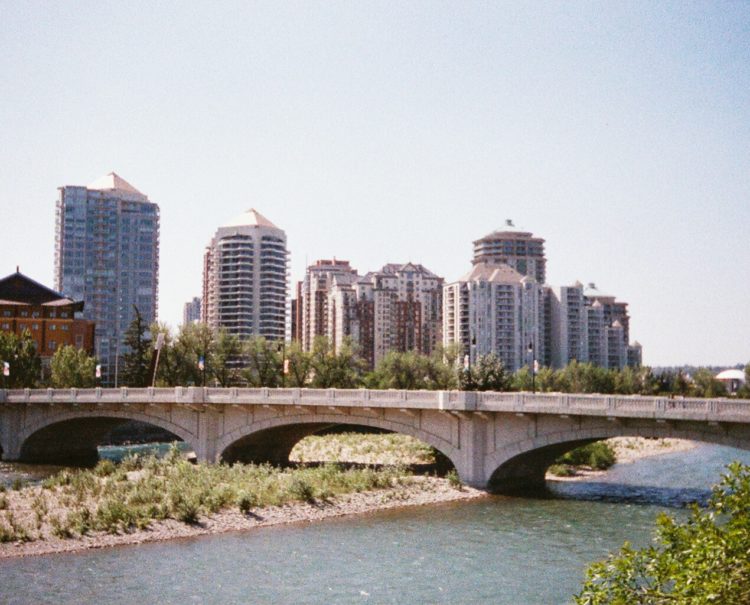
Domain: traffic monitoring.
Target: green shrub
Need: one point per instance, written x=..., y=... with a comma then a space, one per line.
x=104, y=468
x=562, y=470
x=454, y=480
x=246, y=502
x=300, y=489
x=114, y=515
x=598, y=455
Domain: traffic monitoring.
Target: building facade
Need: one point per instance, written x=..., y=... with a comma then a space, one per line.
x=504, y=307
x=47, y=316
x=107, y=255
x=398, y=308
x=191, y=312
x=515, y=248
x=317, y=303
x=590, y=327
x=494, y=309
x=245, y=278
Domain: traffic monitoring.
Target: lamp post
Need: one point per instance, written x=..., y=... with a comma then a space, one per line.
x=533, y=366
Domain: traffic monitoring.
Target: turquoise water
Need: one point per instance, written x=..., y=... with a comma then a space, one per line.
x=496, y=550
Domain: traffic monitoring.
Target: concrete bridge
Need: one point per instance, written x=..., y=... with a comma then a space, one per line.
x=492, y=439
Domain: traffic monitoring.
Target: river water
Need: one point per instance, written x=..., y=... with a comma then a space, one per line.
x=504, y=550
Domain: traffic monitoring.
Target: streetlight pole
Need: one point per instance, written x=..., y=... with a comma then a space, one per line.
x=533, y=366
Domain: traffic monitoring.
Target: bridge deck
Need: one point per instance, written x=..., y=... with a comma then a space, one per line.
x=611, y=406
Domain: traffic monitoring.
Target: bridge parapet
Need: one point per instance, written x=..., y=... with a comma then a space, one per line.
x=619, y=406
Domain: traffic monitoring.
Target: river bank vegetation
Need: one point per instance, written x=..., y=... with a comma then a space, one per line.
x=704, y=560
x=257, y=362
x=121, y=498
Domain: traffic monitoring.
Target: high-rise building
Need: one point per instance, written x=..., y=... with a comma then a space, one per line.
x=398, y=308
x=191, y=312
x=513, y=247
x=495, y=309
x=315, y=299
x=589, y=326
x=107, y=255
x=568, y=325
x=245, y=278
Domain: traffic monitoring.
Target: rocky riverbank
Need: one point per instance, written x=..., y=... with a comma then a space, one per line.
x=419, y=491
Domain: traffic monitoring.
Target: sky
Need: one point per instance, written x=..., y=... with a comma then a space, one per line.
x=385, y=132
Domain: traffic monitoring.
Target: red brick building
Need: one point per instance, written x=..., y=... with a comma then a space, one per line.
x=49, y=317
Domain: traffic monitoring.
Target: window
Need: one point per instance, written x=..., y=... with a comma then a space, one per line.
x=34, y=326
x=6, y=313
x=64, y=328
x=53, y=327
x=6, y=326
x=35, y=314
x=51, y=345
x=24, y=313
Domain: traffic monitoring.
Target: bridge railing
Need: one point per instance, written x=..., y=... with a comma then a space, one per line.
x=626, y=406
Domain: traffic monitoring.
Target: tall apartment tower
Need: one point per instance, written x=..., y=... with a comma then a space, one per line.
x=107, y=254
x=317, y=306
x=245, y=278
x=399, y=309
x=495, y=309
x=515, y=248
x=589, y=326
x=191, y=312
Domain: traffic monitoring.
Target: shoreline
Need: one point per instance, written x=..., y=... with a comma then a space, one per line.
x=629, y=450
x=421, y=491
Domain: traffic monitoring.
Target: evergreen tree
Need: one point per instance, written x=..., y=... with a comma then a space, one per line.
x=137, y=358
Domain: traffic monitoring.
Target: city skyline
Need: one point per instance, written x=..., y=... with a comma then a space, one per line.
x=620, y=137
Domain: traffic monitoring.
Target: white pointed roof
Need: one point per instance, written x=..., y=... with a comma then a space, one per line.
x=113, y=182
x=250, y=218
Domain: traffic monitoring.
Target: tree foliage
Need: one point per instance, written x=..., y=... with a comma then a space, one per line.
x=72, y=367
x=137, y=357
x=487, y=374
x=24, y=361
x=702, y=561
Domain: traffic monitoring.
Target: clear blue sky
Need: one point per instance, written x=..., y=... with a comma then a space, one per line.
x=386, y=132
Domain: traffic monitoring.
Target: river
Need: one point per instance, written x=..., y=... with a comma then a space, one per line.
x=504, y=550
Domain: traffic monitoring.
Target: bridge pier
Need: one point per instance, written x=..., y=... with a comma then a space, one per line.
x=472, y=432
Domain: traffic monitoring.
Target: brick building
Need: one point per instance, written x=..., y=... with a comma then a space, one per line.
x=49, y=317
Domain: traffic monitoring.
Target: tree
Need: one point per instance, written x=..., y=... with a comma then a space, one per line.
x=25, y=365
x=137, y=358
x=706, y=384
x=72, y=367
x=300, y=364
x=487, y=374
x=340, y=369
x=704, y=560
x=264, y=363
x=226, y=356
x=401, y=370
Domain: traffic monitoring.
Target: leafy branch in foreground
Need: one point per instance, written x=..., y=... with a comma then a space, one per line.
x=702, y=561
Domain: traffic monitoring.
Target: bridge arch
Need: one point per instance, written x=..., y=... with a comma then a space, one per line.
x=525, y=462
x=273, y=439
x=73, y=436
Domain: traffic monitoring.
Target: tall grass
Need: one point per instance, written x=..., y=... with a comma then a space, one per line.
x=119, y=498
